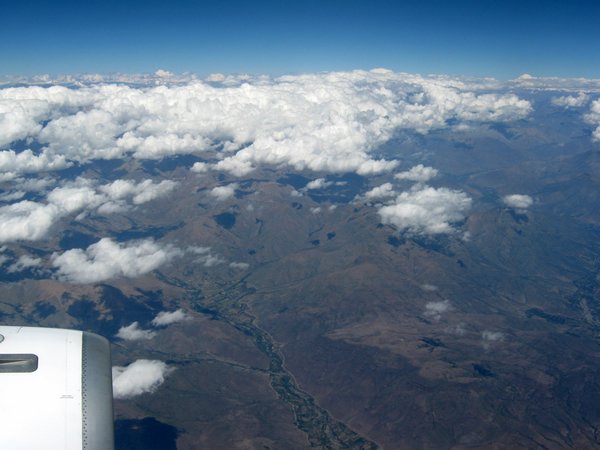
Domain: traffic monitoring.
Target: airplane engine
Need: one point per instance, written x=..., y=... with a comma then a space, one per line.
x=55, y=390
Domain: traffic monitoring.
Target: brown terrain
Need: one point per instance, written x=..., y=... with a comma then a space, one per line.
x=347, y=333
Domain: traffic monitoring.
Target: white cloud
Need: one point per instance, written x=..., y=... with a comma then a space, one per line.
x=28, y=162
x=206, y=258
x=224, y=192
x=575, y=85
x=215, y=78
x=107, y=259
x=210, y=260
x=22, y=110
x=139, y=193
x=85, y=135
x=426, y=210
x=24, y=262
x=75, y=197
x=328, y=122
x=418, y=173
x=382, y=191
x=139, y=377
x=199, y=250
x=519, y=201
x=593, y=117
x=158, y=147
x=236, y=165
x=315, y=210
x=164, y=318
x=133, y=332
x=12, y=196
x=239, y=265
x=27, y=220
x=429, y=287
x=33, y=184
x=200, y=167
x=492, y=336
x=436, y=309
x=319, y=183
x=161, y=73
x=3, y=258
x=570, y=101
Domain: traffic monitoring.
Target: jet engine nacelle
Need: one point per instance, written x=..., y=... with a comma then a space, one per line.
x=55, y=390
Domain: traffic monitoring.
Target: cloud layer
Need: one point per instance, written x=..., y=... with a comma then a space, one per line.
x=324, y=122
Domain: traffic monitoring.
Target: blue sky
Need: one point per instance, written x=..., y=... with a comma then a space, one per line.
x=490, y=38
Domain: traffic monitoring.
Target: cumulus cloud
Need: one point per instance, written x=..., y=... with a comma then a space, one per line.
x=319, y=183
x=210, y=260
x=206, y=257
x=519, y=201
x=164, y=318
x=12, y=196
x=161, y=73
x=158, y=147
x=570, y=101
x=28, y=220
x=426, y=210
x=13, y=164
x=593, y=117
x=329, y=122
x=382, y=191
x=33, y=184
x=24, y=262
x=436, y=309
x=239, y=265
x=139, y=377
x=418, y=173
x=429, y=287
x=200, y=167
x=492, y=336
x=224, y=192
x=107, y=259
x=139, y=193
x=23, y=110
x=133, y=332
